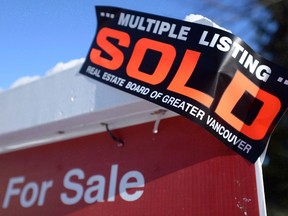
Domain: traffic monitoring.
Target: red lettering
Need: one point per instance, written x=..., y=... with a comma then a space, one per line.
x=233, y=93
x=116, y=54
x=183, y=74
x=168, y=54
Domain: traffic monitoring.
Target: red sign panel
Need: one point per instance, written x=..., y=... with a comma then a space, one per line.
x=182, y=170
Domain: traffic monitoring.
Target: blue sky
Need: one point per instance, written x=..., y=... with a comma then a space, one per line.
x=36, y=35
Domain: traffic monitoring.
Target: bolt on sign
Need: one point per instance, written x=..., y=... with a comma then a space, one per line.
x=205, y=74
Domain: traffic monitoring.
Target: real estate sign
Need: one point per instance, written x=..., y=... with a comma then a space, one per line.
x=174, y=172
x=208, y=75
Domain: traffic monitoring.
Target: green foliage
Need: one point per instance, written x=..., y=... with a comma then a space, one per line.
x=275, y=39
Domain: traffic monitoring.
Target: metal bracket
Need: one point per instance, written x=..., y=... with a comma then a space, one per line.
x=159, y=114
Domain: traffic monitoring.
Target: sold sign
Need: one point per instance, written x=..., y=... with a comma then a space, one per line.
x=205, y=74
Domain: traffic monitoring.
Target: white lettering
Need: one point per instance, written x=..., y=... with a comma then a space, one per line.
x=93, y=190
x=32, y=189
x=137, y=88
x=28, y=193
x=184, y=106
x=112, y=185
x=238, y=52
x=228, y=135
x=76, y=187
x=43, y=191
x=11, y=191
x=155, y=26
x=126, y=184
x=97, y=189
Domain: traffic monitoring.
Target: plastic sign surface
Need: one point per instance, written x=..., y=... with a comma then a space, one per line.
x=174, y=172
x=205, y=74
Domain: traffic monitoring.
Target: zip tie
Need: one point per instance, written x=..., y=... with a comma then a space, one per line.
x=119, y=141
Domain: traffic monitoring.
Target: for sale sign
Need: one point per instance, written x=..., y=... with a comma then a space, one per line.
x=205, y=74
x=174, y=172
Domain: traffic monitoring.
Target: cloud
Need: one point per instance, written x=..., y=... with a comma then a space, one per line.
x=59, y=67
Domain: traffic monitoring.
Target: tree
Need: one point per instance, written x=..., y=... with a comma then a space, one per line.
x=274, y=43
